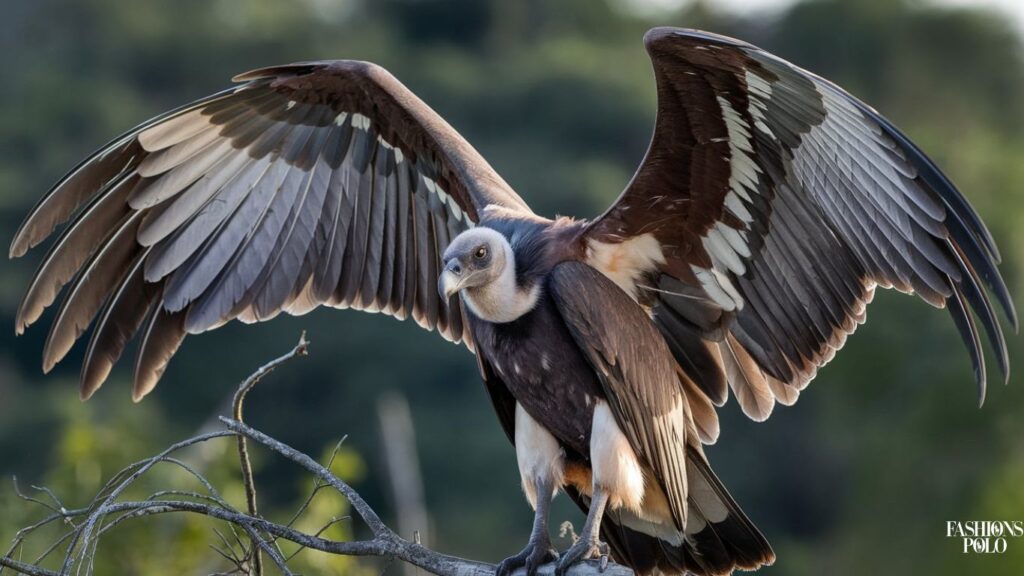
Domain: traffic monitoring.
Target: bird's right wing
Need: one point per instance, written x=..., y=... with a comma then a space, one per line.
x=315, y=183
x=769, y=206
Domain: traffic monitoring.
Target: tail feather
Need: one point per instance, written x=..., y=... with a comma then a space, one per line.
x=719, y=537
x=747, y=547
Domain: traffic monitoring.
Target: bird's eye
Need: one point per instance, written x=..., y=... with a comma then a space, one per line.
x=480, y=252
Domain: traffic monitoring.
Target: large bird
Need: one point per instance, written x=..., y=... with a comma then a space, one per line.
x=769, y=206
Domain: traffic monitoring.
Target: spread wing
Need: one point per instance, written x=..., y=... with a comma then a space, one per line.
x=777, y=203
x=307, y=184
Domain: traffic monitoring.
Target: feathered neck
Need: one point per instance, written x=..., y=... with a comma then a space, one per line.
x=503, y=299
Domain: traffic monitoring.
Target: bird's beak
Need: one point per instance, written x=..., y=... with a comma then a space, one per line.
x=449, y=282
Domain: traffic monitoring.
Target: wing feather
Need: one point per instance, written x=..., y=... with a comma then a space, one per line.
x=313, y=183
x=77, y=243
x=90, y=290
x=779, y=202
x=375, y=229
x=635, y=368
x=123, y=313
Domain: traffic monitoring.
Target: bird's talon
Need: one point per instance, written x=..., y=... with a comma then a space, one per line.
x=506, y=567
x=580, y=551
x=535, y=555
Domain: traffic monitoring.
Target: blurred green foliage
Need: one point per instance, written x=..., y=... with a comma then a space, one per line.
x=858, y=478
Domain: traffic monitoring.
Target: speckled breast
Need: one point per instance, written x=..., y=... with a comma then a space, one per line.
x=538, y=360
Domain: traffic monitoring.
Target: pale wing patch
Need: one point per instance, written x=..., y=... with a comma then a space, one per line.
x=744, y=172
x=446, y=200
x=760, y=93
x=626, y=262
x=174, y=131
x=719, y=288
x=728, y=247
x=361, y=122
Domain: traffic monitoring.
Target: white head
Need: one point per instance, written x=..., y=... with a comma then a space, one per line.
x=480, y=264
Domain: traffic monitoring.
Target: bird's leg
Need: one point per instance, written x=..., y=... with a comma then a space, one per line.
x=538, y=550
x=589, y=545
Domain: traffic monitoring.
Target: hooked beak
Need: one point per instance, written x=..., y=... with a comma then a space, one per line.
x=451, y=280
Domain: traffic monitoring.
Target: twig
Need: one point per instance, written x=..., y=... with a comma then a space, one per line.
x=48, y=492
x=322, y=529
x=24, y=568
x=262, y=544
x=373, y=522
x=300, y=349
x=386, y=542
x=83, y=533
x=25, y=497
x=317, y=486
x=228, y=552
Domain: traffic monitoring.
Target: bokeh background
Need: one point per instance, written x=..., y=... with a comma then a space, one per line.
x=858, y=478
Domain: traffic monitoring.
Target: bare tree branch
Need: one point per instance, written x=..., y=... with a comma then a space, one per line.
x=107, y=511
x=23, y=568
x=300, y=349
x=373, y=522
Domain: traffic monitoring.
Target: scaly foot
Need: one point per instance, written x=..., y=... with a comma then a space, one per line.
x=584, y=549
x=537, y=553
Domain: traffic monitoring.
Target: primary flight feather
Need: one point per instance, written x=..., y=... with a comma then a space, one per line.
x=744, y=251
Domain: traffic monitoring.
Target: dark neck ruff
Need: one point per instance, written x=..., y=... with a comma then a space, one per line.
x=539, y=244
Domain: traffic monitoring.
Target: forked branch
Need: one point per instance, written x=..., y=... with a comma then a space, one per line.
x=88, y=525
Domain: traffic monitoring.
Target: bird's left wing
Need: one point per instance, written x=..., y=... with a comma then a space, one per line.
x=769, y=206
x=635, y=369
x=314, y=183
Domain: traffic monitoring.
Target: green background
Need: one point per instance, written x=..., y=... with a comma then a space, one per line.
x=858, y=478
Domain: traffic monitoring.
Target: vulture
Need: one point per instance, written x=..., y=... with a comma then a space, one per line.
x=744, y=251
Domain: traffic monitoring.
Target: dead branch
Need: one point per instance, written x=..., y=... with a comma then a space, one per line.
x=300, y=349
x=108, y=510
